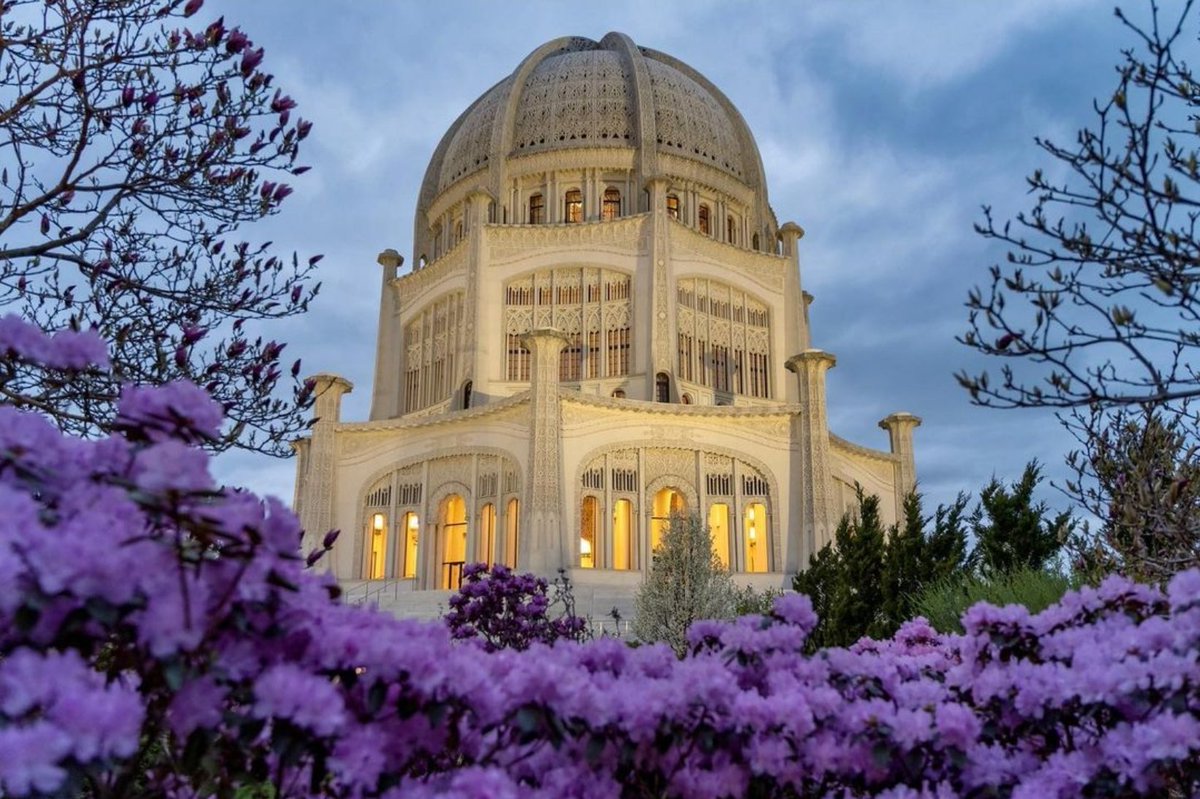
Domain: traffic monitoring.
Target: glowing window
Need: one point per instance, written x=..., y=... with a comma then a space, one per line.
x=622, y=535
x=718, y=529
x=667, y=503
x=378, y=536
x=573, y=206
x=755, y=528
x=589, y=514
x=454, y=541
x=611, y=207
x=411, y=527
x=672, y=206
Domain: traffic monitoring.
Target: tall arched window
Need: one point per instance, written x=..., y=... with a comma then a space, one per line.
x=754, y=241
x=662, y=387
x=487, y=535
x=755, y=528
x=466, y=394
x=611, y=208
x=667, y=503
x=537, y=209
x=730, y=229
x=705, y=221
x=377, y=555
x=512, y=527
x=411, y=526
x=672, y=206
x=573, y=206
x=622, y=535
x=718, y=529
x=589, y=517
x=453, y=528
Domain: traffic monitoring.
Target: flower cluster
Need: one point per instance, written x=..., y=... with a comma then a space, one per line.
x=160, y=636
x=507, y=610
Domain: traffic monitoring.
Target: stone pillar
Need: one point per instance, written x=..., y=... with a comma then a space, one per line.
x=900, y=428
x=385, y=398
x=316, y=511
x=472, y=363
x=540, y=548
x=795, y=338
x=658, y=319
x=812, y=473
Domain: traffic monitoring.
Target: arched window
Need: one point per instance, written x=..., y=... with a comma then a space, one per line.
x=377, y=556
x=662, y=387
x=422, y=261
x=611, y=208
x=573, y=206
x=466, y=395
x=458, y=231
x=705, y=221
x=686, y=399
x=487, y=535
x=730, y=229
x=672, y=206
x=755, y=528
x=411, y=526
x=718, y=529
x=667, y=503
x=512, y=526
x=754, y=241
x=618, y=394
x=453, y=527
x=537, y=209
x=589, y=517
x=622, y=535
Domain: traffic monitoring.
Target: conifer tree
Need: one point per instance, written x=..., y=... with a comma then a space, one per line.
x=1011, y=531
x=686, y=583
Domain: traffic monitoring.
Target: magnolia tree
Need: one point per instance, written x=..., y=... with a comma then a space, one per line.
x=135, y=138
x=159, y=636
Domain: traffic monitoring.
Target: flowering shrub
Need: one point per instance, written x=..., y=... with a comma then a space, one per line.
x=506, y=610
x=160, y=636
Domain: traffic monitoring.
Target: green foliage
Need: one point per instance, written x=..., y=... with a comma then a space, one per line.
x=686, y=583
x=944, y=601
x=1011, y=531
x=747, y=601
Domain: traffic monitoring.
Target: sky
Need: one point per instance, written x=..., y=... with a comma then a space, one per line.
x=884, y=127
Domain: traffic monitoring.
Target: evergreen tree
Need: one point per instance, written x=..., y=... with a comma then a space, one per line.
x=1011, y=531
x=858, y=596
x=904, y=567
x=819, y=582
x=686, y=583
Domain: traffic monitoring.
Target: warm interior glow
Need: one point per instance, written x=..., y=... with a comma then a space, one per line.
x=411, y=525
x=487, y=534
x=667, y=502
x=589, y=518
x=454, y=540
x=377, y=522
x=718, y=529
x=755, y=521
x=377, y=557
x=622, y=532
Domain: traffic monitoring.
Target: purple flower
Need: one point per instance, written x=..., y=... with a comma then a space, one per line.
x=307, y=700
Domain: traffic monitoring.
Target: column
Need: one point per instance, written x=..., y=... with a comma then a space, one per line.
x=316, y=512
x=900, y=428
x=658, y=319
x=385, y=399
x=812, y=475
x=543, y=526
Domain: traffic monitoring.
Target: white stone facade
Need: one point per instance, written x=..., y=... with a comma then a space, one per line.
x=604, y=322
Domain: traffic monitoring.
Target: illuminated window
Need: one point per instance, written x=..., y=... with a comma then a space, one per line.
x=667, y=503
x=411, y=527
x=705, y=221
x=672, y=206
x=589, y=516
x=512, y=524
x=454, y=541
x=573, y=206
x=755, y=535
x=718, y=529
x=622, y=535
x=378, y=536
x=487, y=535
x=537, y=210
x=611, y=207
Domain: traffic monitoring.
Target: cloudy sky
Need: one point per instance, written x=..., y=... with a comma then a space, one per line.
x=883, y=126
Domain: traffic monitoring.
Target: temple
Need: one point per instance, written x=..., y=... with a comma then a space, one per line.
x=602, y=324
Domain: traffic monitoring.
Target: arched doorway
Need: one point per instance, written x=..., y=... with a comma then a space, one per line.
x=718, y=530
x=453, y=531
x=622, y=535
x=487, y=535
x=377, y=536
x=589, y=518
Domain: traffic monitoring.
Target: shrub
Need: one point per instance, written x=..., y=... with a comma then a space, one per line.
x=944, y=602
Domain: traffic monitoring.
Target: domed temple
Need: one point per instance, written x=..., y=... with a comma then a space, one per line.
x=603, y=324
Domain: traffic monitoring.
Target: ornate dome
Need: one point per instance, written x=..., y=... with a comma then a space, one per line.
x=576, y=93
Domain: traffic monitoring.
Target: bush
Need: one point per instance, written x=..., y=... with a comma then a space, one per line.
x=944, y=602
x=161, y=637
x=506, y=610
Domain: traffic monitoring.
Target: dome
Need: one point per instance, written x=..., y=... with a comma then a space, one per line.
x=574, y=94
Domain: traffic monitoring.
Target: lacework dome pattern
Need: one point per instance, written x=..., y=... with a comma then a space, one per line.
x=584, y=94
